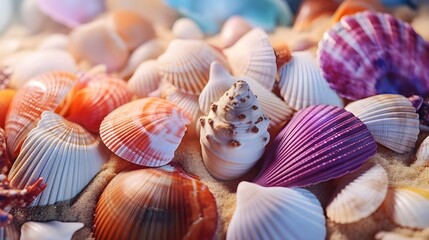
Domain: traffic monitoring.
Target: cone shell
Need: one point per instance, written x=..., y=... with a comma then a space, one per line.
x=276, y=212
x=358, y=194
x=408, y=207
x=319, y=143
x=6, y=97
x=390, y=118
x=233, y=29
x=252, y=56
x=161, y=203
x=43, y=93
x=185, y=28
x=186, y=63
x=310, y=11
x=145, y=79
x=422, y=154
x=350, y=7
x=145, y=132
x=57, y=146
x=302, y=84
x=363, y=55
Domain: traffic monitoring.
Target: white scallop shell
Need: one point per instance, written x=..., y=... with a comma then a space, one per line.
x=408, y=207
x=358, y=194
x=63, y=153
x=49, y=230
x=145, y=79
x=233, y=29
x=390, y=118
x=302, y=84
x=276, y=213
x=253, y=56
x=185, y=28
x=422, y=154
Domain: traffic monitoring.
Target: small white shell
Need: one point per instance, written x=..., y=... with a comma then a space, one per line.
x=358, y=194
x=422, y=154
x=276, y=213
x=233, y=29
x=302, y=84
x=185, y=28
x=145, y=79
x=49, y=230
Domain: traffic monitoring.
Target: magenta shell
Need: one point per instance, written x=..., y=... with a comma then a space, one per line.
x=373, y=53
x=320, y=143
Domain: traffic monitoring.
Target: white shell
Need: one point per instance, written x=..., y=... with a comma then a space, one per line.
x=390, y=118
x=63, y=153
x=233, y=29
x=253, y=56
x=422, y=154
x=358, y=194
x=53, y=230
x=408, y=207
x=145, y=79
x=276, y=213
x=185, y=28
x=302, y=84
x=54, y=41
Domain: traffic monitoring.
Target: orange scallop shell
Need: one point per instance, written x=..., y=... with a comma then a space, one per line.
x=6, y=97
x=349, y=7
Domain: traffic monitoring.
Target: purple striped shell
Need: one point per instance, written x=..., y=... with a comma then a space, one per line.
x=373, y=53
x=320, y=143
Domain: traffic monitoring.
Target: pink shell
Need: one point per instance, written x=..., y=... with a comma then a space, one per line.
x=372, y=53
x=320, y=143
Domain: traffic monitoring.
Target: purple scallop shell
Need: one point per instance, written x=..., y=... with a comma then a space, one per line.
x=373, y=53
x=320, y=143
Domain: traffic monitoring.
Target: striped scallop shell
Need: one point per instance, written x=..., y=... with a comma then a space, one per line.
x=155, y=203
x=186, y=64
x=146, y=132
x=390, y=118
x=145, y=79
x=358, y=194
x=253, y=56
x=364, y=54
x=320, y=143
x=302, y=84
x=6, y=98
x=42, y=93
x=408, y=207
x=63, y=153
x=276, y=213
x=422, y=154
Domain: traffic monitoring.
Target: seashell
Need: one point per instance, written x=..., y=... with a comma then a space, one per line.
x=283, y=54
x=6, y=14
x=358, y=194
x=6, y=97
x=320, y=143
x=423, y=111
x=40, y=62
x=4, y=156
x=54, y=41
x=252, y=56
x=185, y=28
x=186, y=63
x=234, y=134
x=155, y=203
x=422, y=154
x=5, y=73
x=49, y=230
x=390, y=118
x=145, y=132
x=58, y=146
x=302, y=84
x=43, y=93
x=350, y=7
x=276, y=213
x=372, y=46
x=145, y=79
x=408, y=207
x=310, y=11
x=71, y=13
x=233, y=29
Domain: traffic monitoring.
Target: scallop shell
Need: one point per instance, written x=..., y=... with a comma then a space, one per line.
x=302, y=84
x=422, y=154
x=408, y=207
x=4, y=156
x=186, y=63
x=234, y=134
x=43, y=93
x=159, y=203
x=390, y=118
x=145, y=132
x=233, y=29
x=350, y=7
x=358, y=194
x=363, y=55
x=52, y=230
x=276, y=213
x=320, y=143
x=185, y=28
x=252, y=56
x=57, y=146
x=6, y=97
x=310, y=11
x=145, y=79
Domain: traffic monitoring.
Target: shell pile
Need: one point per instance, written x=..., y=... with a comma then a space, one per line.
x=247, y=119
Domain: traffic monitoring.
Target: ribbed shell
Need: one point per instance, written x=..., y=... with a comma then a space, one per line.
x=390, y=118
x=319, y=143
x=358, y=194
x=422, y=154
x=253, y=56
x=364, y=54
x=160, y=203
x=276, y=213
x=43, y=93
x=302, y=84
x=63, y=153
x=145, y=79
x=145, y=132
